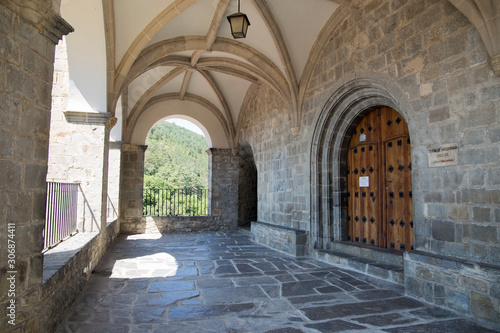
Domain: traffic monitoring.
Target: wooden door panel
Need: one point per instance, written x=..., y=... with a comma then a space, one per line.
x=398, y=194
x=364, y=216
x=364, y=212
x=380, y=211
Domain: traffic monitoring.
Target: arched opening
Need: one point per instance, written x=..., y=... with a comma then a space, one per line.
x=176, y=170
x=335, y=126
x=247, y=187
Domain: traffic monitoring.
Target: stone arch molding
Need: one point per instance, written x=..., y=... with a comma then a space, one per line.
x=165, y=106
x=350, y=100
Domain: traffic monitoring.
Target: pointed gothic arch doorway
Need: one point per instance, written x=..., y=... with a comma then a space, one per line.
x=379, y=184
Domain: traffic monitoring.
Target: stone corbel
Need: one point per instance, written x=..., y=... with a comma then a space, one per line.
x=40, y=16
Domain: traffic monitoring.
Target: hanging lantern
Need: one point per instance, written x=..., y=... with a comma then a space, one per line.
x=239, y=23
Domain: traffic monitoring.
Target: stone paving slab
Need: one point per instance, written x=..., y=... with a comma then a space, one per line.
x=223, y=282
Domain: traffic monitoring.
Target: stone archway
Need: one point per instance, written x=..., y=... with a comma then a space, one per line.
x=350, y=101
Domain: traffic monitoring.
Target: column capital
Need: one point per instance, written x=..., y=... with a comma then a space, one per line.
x=41, y=16
x=127, y=147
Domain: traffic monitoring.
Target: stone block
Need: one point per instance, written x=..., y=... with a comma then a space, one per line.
x=469, y=283
x=490, y=93
x=475, y=156
x=458, y=212
x=9, y=49
x=481, y=214
x=480, y=233
x=37, y=65
x=436, y=211
x=413, y=286
x=477, y=177
x=16, y=205
x=24, y=148
x=478, y=117
x=6, y=143
x=10, y=177
x=483, y=308
x=479, y=252
x=455, y=65
x=36, y=120
x=443, y=230
x=475, y=137
x=458, y=301
x=440, y=114
x=494, y=134
x=494, y=176
x=10, y=110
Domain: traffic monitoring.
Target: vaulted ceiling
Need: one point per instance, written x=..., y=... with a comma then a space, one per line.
x=157, y=51
x=146, y=60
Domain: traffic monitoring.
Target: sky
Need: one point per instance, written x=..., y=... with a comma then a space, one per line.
x=186, y=124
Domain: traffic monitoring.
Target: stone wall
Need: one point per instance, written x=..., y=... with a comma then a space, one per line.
x=468, y=287
x=284, y=239
x=223, y=168
x=280, y=159
x=427, y=61
x=65, y=286
x=26, y=65
x=449, y=95
x=131, y=185
x=181, y=224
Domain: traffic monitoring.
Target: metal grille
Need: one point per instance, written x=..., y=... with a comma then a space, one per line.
x=175, y=202
x=61, y=212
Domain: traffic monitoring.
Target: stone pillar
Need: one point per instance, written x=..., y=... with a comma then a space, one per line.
x=131, y=188
x=223, y=187
x=27, y=39
x=114, y=179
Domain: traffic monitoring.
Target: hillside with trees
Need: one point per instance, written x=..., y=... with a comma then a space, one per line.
x=175, y=158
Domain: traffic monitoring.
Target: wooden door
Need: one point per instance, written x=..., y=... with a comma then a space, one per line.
x=379, y=182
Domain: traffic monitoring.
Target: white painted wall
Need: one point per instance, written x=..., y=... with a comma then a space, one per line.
x=86, y=55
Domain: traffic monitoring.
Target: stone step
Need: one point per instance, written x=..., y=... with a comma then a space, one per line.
x=389, y=272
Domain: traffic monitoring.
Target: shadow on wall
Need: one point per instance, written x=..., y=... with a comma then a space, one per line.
x=247, y=186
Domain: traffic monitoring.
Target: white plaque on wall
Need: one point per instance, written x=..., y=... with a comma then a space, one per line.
x=364, y=181
x=444, y=155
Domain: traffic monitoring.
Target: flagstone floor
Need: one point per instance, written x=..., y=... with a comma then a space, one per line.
x=223, y=282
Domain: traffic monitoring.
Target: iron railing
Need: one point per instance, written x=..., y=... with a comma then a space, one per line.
x=175, y=202
x=86, y=209
x=112, y=212
x=61, y=212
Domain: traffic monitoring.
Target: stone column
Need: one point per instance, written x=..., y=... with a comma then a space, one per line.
x=115, y=148
x=28, y=34
x=223, y=187
x=131, y=188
